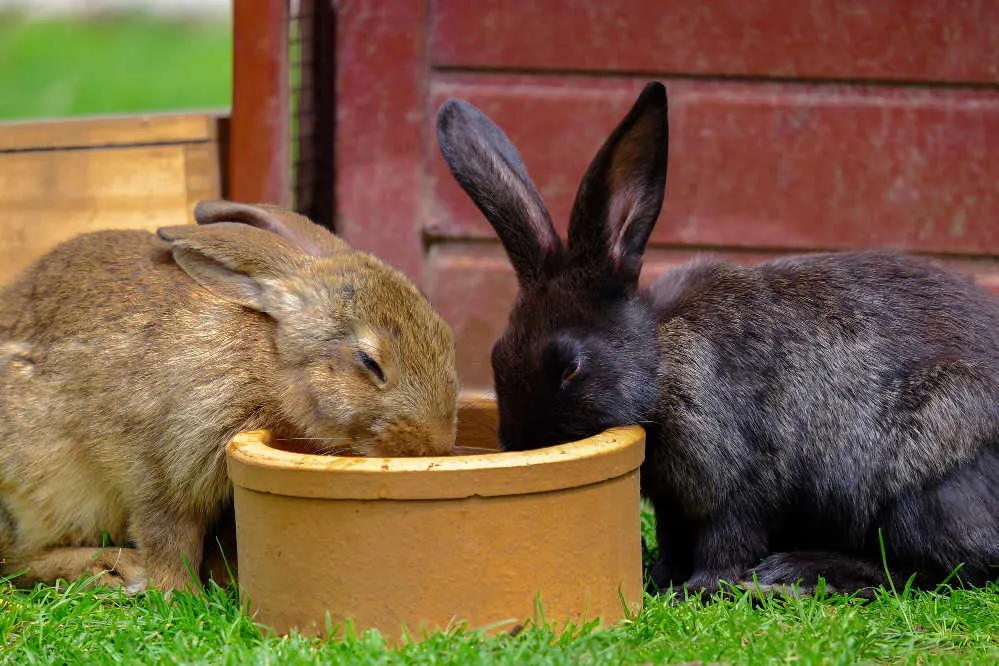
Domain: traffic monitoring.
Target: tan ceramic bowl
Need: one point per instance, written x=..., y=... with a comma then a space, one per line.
x=426, y=543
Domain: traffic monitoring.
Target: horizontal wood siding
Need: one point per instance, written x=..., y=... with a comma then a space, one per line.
x=782, y=166
x=795, y=126
x=951, y=41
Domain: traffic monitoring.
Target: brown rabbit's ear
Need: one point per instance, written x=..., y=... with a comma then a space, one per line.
x=489, y=169
x=300, y=230
x=235, y=262
x=622, y=192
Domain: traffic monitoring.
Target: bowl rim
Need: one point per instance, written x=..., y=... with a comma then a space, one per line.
x=255, y=465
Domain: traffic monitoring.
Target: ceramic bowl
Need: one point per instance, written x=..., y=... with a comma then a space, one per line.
x=409, y=545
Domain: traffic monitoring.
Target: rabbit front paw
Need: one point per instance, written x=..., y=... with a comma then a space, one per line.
x=119, y=568
x=108, y=567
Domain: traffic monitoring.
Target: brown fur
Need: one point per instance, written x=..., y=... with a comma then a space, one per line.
x=122, y=379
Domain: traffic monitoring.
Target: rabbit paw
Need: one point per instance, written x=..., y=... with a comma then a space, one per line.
x=798, y=573
x=117, y=568
x=109, y=567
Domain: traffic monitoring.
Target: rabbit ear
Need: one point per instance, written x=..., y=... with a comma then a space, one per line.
x=300, y=230
x=235, y=262
x=488, y=168
x=622, y=192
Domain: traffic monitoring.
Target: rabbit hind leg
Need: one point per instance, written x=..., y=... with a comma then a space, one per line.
x=950, y=527
x=798, y=572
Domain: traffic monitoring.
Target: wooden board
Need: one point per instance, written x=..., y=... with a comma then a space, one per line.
x=908, y=40
x=65, y=178
x=260, y=159
x=96, y=132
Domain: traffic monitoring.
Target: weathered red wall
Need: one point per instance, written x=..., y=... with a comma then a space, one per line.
x=259, y=136
x=794, y=126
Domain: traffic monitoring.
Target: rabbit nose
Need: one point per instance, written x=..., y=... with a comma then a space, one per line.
x=441, y=437
x=410, y=438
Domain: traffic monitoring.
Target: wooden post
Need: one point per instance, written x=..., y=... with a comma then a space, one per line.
x=259, y=154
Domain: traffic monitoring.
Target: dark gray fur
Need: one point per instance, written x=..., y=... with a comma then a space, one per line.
x=794, y=409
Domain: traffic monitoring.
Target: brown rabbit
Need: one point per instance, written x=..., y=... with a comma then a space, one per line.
x=127, y=361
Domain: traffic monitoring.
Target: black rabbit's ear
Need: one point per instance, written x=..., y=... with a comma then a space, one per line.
x=489, y=169
x=622, y=192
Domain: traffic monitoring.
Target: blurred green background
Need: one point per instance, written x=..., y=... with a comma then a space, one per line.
x=53, y=66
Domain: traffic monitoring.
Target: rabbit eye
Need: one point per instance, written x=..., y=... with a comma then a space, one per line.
x=571, y=371
x=371, y=365
x=562, y=362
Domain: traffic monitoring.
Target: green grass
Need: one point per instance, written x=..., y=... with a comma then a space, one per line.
x=122, y=64
x=94, y=626
x=88, y=625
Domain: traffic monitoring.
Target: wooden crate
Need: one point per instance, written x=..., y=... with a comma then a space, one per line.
x=60, y=178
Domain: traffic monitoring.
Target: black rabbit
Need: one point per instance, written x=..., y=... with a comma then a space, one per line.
x=798, y=412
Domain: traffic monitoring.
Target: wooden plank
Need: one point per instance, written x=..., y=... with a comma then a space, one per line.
x=260, y=148
x=898, y=40
x=760, y=165
x=201, y=172
x=107, y=131
x=473, y=287
x=49, y=196
x=381, y=133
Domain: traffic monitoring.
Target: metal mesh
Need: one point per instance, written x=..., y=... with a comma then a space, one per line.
x=311, y=40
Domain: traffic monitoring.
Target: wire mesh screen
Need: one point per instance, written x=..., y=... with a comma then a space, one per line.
x=311, y=42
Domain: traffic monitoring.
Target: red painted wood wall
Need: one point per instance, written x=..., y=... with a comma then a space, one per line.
x=258, y=168
x=794, y=126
